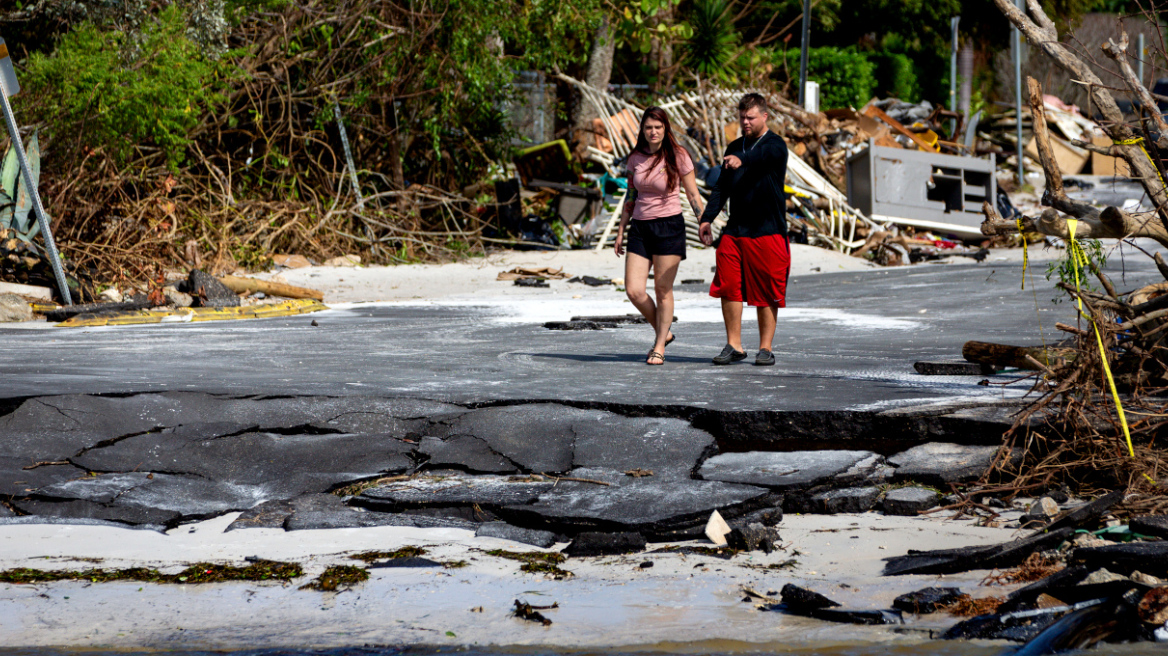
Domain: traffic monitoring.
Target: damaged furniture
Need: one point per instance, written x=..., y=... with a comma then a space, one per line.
x=926, y=190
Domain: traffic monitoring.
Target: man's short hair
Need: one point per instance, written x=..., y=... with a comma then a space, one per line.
x=753, y=100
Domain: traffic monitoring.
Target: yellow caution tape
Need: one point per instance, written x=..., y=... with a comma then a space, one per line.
x=185, y=315
x=44, y=308
x=1033, y=289
x=1076, y=252
x=1140, y=140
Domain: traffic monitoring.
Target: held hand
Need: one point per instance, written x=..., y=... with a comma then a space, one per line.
x=619, y=247
x=731, y=162
x=706, y=233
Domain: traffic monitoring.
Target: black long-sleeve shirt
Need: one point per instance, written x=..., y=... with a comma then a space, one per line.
x=758, y=205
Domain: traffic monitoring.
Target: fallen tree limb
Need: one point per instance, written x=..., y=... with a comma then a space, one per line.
x=239, y=285
x=1004, y=355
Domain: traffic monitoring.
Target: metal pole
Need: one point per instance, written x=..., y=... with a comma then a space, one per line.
x=803, y=51
x=1016, y=44
x=1140, y=48
x=953, y=72
x=348, y=154
x=26, y=173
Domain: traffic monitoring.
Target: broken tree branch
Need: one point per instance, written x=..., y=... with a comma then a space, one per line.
x=1118, y=53
x=1041, y=32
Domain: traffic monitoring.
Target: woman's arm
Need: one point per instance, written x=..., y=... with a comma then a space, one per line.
x=691, y=193
x=626, y=214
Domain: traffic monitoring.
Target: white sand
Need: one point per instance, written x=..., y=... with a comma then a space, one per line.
x=478, y=275
x=610, y=601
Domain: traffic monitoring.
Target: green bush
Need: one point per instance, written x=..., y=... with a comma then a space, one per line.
x=894, y=75
x=113, y=91
x=845, y=76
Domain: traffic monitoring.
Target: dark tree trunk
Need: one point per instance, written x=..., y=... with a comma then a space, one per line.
x=598, y=76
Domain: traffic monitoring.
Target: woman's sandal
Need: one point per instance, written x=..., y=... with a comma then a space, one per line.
x=654, y=355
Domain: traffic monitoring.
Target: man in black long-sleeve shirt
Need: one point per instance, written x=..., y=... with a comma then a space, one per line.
x=754, y=257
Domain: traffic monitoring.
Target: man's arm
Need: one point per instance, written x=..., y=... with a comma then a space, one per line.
x=718, y=195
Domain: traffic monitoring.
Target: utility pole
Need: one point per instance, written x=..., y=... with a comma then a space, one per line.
x=1016, y=45
x=803, y=51
x=1141, y=48
x=953, y=73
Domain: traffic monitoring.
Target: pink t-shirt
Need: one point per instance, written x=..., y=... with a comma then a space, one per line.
x=654, y=201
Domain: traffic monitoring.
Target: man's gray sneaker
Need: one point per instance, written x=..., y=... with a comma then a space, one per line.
x=764, y=358
x=729, y=355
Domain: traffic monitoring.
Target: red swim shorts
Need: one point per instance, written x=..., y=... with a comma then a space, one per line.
x=753, y=270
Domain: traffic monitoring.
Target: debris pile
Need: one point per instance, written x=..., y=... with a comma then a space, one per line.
x=169, y=298
x=830, y=204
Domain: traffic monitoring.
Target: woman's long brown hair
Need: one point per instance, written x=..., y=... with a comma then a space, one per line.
x=669, y=146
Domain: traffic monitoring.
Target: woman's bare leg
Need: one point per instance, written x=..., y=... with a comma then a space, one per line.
x=666, y=271
x=636, y=279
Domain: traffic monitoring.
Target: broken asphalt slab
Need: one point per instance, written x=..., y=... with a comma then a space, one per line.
x=173, y=457
x=505, y=531
x=785, y=471
x=939, y=463
x=909, y=501
x=656, y=507
x=436, y=490
x=831, y=502
x=164, y=465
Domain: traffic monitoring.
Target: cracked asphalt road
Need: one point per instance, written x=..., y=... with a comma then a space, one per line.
x=847, y=341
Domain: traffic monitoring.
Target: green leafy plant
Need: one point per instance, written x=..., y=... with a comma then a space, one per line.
x=637, y=30
x=714, y=41
x=894, y=75
x=845, y=76
x=1087, y=256
x=16, y=216
x=114, y=91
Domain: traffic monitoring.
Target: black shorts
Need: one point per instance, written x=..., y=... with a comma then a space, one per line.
x=664, y=236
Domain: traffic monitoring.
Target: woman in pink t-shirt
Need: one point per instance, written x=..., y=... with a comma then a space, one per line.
x=658, y=167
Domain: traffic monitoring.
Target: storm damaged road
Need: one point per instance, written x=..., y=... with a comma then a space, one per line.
x=847, y=341
x=293, y=423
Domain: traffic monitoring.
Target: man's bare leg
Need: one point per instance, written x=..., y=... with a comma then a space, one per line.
x=768, y=317
x=732, y=317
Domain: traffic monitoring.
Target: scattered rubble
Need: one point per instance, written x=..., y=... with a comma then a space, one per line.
x=800, y=601
x=781, y=470
x=14, y=308
x=939, y=463
x=949, y=561
x=505, y=531
x=927, y=600
x=531, y=613
x=543, y=473
x=831, y=502
x=605, y=544
x=1151, y=525
x=910, y=500
x=753, y=537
